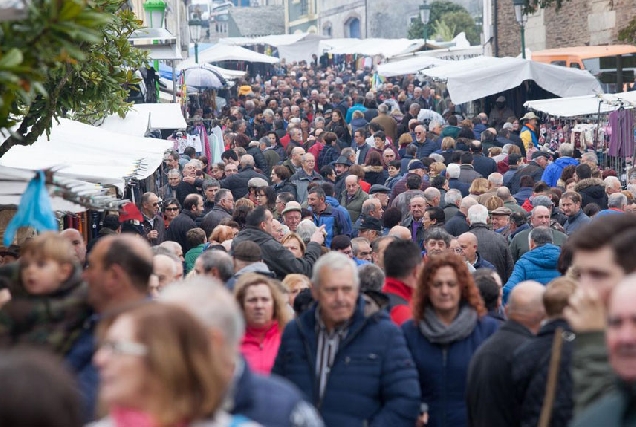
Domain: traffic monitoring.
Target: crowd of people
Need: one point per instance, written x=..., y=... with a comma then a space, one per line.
x=358, y=257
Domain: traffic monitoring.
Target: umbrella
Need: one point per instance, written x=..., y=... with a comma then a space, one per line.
x=204, y=78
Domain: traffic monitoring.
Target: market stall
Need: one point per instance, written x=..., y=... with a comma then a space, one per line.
x=222, y=52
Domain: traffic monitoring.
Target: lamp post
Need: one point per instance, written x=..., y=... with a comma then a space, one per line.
x=522, y=19
x=195, y=26
x=425, y=16
x=155, y=11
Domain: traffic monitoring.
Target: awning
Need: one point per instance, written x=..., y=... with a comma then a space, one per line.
x=583, y=105
x=479, y=77
x=408, y=66
x=90, y=153
x=160, y=44
x=144, y=117
x=291, y=47
x=372, y=47
x=221, y=52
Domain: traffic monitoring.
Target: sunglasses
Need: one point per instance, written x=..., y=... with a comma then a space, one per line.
x=172, y=209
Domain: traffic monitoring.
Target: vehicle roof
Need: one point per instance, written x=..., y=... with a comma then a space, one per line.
x=585, y=52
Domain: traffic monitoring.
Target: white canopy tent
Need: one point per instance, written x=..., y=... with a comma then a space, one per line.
x=144, y=117
x=479, y=77
x=583, y=105
x=372, y=47
x=90, y=153
x=223, y=52
x=408, y=66
x=291, y=47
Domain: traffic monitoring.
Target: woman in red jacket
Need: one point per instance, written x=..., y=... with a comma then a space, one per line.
x=266, y=315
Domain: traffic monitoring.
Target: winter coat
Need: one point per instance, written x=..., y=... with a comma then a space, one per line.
x=539, y=264
x=529, y=137
x=449, y=212
x=480, y=262
x=158, y=225
x=178, y=228
x=362, y=152
x=358, y=123
x=259, y=160
x=389, y=124
x=494, y=248
x=520, y=244
x=259, y=347
x=276, y=256
x=237, y=183
x=532, y=169
x=354, y=206
x=192, y=255
x=214, y=218
x=552, y=172
x=462, y=186
x=592, y=190
x=221, y=419
x=484, y=165
x=285, y=187
x=328, y=155
x=399, y=312
x=425, y=148
x=301, y=180
x=256, y=267
x=419, y=234
x=468, y=174
x=489, y=398
x=452, y=131
x=375, y=175
x=347, y=226
x=614, y=409
x=457, y=225
x=443, y=371
x=576, y=221
x=522, y=195
x=530, y=369
x=478, y=129
x=372, y=380
x=334, y=221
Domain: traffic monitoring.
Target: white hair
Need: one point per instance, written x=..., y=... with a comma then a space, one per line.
x=616, y=200
x=212, y=304
x=467, y=202
x=478, y=214
x=306, y=228
x=452, y=196
x=436, y=157
x=589, y=157
x=334, y=261
x=610, y=181
x=452, y=170
x=495, y=178
x=567, y=150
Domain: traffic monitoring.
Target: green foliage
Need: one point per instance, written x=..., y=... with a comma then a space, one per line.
x=628, y=34
x=441, y=8
x=66, y=56
x=416, y=30
x=462, y=21
x=443, y=31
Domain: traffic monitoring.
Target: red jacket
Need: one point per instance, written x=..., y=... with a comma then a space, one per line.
x=399, y=313
x=259, y=347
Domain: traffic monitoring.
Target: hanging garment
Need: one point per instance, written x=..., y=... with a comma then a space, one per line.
x=621, y=142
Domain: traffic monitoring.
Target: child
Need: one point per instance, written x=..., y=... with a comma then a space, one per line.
x=198, y=242
x=48, y=303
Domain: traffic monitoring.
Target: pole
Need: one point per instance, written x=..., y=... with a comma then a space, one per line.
x=196, y=52
x=425, y=35
x=523, y=41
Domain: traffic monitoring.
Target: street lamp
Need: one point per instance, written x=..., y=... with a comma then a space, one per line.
x=155, y=11
x=195, y=26
x=522, y=19
x=425, y=16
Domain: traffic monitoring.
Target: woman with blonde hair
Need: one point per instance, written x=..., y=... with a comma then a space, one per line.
x=157, y=369
x=266, y=315
x=294, y=283
x=221, y=233
x=449, y=324
x=478, y=187
x=294, y=243
x=436, y=168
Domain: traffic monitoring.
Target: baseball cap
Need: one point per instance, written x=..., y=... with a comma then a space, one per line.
x=416, y=165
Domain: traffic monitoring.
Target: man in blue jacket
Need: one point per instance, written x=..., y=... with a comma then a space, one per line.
x=356, y=369
x=553, y=171
x=539, y=264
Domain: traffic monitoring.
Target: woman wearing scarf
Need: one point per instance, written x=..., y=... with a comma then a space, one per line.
x=448, y=326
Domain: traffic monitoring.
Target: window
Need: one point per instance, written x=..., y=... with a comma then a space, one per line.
x=304, y=7
x=326, y=29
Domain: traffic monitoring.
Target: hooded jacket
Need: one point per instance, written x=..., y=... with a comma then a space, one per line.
x=552, y=172
x=372, y=380
x=539, y=264
x=375, y=175
x=592, y=190
x=348, y=227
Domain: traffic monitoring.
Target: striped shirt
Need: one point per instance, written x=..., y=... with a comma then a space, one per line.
x=328, y=342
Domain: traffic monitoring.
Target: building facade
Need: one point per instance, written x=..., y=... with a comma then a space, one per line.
x=577, y=23
x=301, y=16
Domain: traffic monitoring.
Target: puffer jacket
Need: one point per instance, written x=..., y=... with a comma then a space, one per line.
x=540, y=264
x=443, y=371
x=592, y=190
x=530, y=368
x=372, y=381
x=552, y=173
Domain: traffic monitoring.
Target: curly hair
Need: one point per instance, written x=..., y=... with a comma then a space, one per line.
x=469, y=291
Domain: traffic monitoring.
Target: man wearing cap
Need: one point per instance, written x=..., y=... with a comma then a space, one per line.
x=381, y=193
x=501, y=113
x=534, y=168
x=292, y=215
x=237, y=183
x=341, y=167
x=500, y=221
x=304, y=176
x=370, y=228
x=370, y=208
x=530, y=131
x=248, y=258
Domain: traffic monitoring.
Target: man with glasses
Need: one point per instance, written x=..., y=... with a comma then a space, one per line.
x=153, y=227
x=169, y=191
x=425, y=146
x=222, y=210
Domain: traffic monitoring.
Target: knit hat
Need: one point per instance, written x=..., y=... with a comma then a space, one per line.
x=247, y=251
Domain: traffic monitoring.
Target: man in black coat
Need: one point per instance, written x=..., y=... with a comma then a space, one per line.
x=237, y=183
x=185, y=221
x=489, y=400
x=534, y=168
x=482, y=164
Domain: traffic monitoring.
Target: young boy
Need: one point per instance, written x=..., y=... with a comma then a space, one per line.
x=198, y=242
x=48, y=298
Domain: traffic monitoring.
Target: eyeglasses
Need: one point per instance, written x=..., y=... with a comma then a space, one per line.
x=156, y=204
x=172, y=209
x=418, y=133
x=364, y=253
x=458, y=250
x=124, y=348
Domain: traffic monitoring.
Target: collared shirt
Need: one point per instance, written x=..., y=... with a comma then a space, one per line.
x=328, y=343
x=415, y=226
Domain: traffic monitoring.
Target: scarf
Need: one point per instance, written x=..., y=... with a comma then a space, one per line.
x=438, y=333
